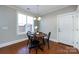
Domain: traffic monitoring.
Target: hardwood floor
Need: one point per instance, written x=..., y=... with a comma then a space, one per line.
x=55, y=48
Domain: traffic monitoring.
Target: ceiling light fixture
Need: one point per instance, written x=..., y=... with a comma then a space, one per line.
x=34, y=18
x=37, y=17
x=36, y=27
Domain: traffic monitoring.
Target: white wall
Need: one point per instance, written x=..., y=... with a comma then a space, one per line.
x=49, y=22
x=7, y=24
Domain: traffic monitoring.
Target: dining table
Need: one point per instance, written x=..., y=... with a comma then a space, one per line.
x=39, y=36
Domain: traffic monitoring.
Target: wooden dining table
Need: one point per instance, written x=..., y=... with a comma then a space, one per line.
x=39, y=36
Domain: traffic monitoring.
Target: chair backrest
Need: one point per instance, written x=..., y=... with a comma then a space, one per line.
x=28, y=34
x=49, y=35
x=34, y=40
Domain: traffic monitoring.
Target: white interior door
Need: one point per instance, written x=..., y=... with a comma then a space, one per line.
x=77, y=30
x=65, y=29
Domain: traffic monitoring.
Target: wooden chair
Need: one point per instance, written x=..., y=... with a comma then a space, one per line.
x=47, y=39
x=35, y=44
x=29, y=38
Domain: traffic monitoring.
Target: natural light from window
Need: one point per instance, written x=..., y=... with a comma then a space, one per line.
x=29, y=20
x=22, y=19
x=25, y=23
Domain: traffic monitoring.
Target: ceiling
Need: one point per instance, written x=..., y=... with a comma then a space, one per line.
x=41, y=9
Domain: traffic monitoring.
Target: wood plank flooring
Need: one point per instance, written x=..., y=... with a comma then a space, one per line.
x=22, y=48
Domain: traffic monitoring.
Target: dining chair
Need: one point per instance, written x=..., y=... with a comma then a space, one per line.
x=29, y=38
x=47, y=39
x=35, y=44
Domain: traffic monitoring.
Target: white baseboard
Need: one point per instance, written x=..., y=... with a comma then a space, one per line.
x=55, y=40
x=12, y=42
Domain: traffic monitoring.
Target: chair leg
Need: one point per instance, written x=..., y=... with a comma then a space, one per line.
x=43, y=41
x=27, y=42
x=48, y=46
x=40, y=48
x=29, y=50
x=36, y=50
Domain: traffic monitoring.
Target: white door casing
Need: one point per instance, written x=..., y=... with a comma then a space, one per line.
x=66, y=28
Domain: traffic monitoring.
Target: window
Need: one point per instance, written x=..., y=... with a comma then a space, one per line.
x=25, y=23
x=30, y=24
x=21, y=23
x=21, y=19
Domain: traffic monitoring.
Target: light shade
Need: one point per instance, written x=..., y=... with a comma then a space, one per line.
x=34, y=18
x=39, y=18
x=36, y=27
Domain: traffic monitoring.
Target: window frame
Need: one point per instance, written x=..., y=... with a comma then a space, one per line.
x=21, y=33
